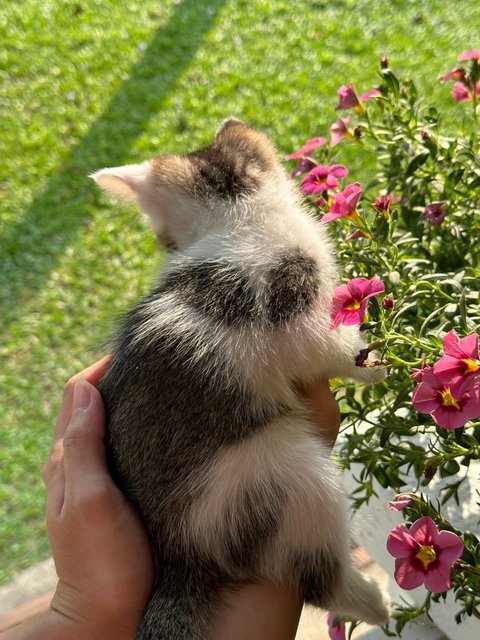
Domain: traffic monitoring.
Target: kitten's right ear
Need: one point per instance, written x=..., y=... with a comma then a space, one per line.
x=128, y=182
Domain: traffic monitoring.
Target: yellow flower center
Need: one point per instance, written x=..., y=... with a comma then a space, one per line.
x=472, y=365
x=426, y=554
x=355, y=218
x=448, y=400
x=354, y=306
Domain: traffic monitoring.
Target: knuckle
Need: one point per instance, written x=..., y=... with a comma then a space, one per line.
x=53, y=462
x=93, y=503
x=70, y=384
x=46, y=471
x=73, y=439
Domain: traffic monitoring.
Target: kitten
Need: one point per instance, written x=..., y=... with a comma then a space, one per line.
x=207, y=434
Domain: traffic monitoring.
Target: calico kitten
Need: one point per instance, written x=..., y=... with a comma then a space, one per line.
x=206, y=432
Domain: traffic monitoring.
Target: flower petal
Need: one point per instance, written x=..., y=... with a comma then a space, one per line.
x=338, y=170
x=425, y=398
x=451, y=344
x=469, y=345
x=400, y=503
x=373, y=93
x=449, y=418
x=450, y=547
x=437, y=579
x=449, y=369
x=401, y=543
x=474, y=54
x=374, y=287
x=357, y=287
x=332, y=215
x=335, y=631
x=408, y=575
x=307, y=148
x=348, y=317
x=424, y=530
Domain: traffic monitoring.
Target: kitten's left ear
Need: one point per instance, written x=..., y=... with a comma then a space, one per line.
x=127, y=182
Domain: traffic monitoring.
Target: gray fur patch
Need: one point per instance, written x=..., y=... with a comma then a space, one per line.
x=259, y=515
x=293, y=284
x=318, y=576
x=219, y=289
x=226, y=293
x=183, y=602
x=169, y=411
x=224, y=169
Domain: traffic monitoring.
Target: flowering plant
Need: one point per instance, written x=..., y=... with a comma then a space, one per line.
x=407, y=238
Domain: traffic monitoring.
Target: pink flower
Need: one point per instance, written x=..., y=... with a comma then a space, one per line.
x=356, y=235
x=350, y=300
x=335, y=631
x=347, y=97
x=417, y=374
x=461, y=92
x=373, y=93
x=461, y=359
x=344, y=203
x=339, y=130
x=307, y=148
x=424, y=555
x=450, y=405
x=458, y=73
x=382, y=204
x=474, y=54
x=435, y=213
x=303, y=166
x=401, y=502
x=323, y=177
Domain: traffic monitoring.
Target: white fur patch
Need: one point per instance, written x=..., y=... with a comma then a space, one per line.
x=288, y=454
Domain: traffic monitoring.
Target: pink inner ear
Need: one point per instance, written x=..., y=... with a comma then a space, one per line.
x=126, y=182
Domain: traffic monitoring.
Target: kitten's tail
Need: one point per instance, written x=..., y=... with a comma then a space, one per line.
x=181, y=606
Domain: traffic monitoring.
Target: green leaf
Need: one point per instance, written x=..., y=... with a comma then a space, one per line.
x=416, y=162
x=391, y=81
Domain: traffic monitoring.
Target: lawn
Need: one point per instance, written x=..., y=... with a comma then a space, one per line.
x=90, y=84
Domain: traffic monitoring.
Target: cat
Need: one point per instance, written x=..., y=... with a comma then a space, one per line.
x=207, y=433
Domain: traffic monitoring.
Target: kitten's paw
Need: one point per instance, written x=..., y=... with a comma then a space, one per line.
x=378, y=609
x=362, y=598
x=376, y=373
x=369, y=367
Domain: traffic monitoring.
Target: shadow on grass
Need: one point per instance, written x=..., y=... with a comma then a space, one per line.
x=33, y=245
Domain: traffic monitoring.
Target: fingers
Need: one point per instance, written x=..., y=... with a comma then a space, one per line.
x=54, y=478
x=53, y=470
x=92, y=374
x=83, y=447
x=324, y=410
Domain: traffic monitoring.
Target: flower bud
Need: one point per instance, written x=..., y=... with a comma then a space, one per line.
x=358, y=131
x=388, y=302
x=394, y=277
x=426, y=137
x=384, y=62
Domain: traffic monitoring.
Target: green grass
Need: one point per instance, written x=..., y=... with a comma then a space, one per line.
x=90, y=84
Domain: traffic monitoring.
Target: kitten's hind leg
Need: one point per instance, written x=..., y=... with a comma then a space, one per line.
x=360, y=598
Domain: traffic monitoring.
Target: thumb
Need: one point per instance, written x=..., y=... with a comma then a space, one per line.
x=84, y=450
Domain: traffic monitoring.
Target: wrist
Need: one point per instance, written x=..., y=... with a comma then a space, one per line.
x=81, y=617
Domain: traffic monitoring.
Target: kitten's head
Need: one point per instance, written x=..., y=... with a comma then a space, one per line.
x=185, y=196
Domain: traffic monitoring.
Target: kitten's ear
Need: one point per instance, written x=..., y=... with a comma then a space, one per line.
x=127, y=182
x=229, y=122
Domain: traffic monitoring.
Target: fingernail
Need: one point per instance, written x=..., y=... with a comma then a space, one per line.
x=82, y=394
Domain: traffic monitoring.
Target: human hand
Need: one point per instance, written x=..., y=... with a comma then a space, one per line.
x=99, y=544
x=324, y=410
x=95, y=533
